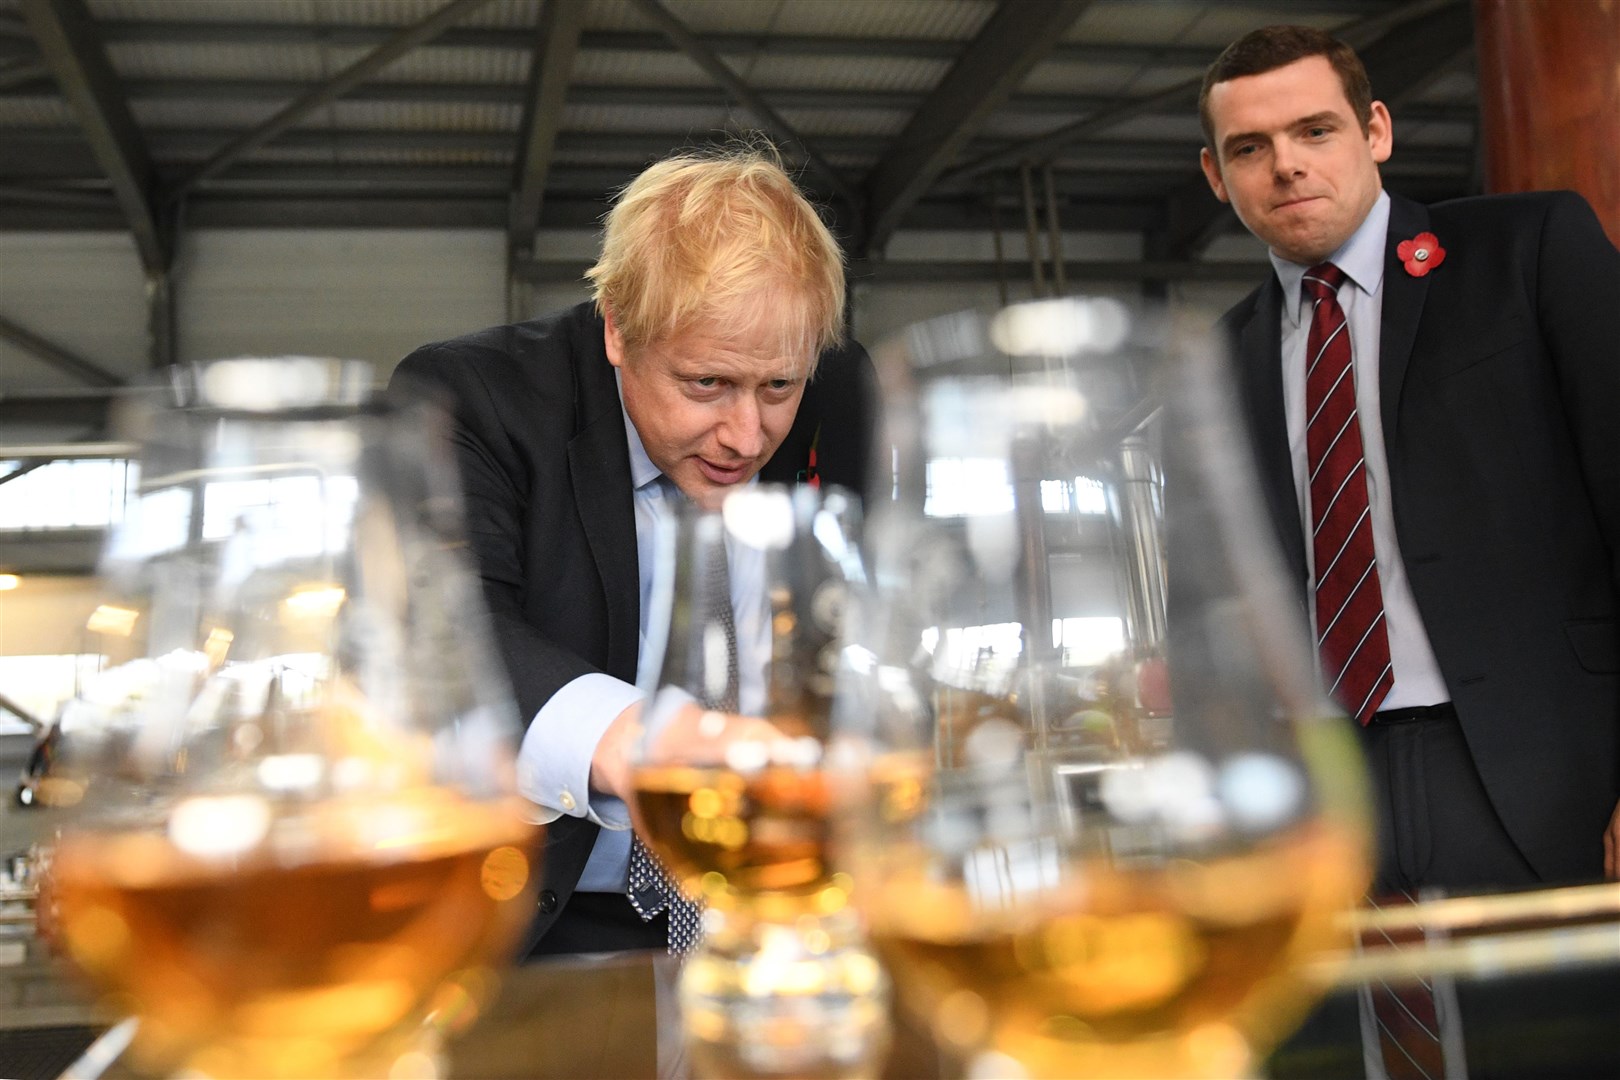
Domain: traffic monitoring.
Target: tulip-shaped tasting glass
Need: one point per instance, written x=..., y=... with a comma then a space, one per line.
x=731, y=788
x=289, y=830
x=1098, y=834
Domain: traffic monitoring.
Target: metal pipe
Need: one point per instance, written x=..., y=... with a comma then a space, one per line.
x=995, y=237
x=1141, y=496
x=68, y=451
x=1054, y=236
x=1037, y=276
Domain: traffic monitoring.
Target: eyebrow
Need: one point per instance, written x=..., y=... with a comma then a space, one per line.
x=1231, y=142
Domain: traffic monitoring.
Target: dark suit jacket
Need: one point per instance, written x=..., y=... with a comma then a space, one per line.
x=545, y=469
x=1500, y=399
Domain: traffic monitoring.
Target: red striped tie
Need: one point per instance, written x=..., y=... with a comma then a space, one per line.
x=1350, y=632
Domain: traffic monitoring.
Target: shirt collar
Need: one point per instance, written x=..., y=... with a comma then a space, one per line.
x=1361, y=258
x=642, y=469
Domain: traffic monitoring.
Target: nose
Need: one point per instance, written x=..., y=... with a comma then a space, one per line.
x=1286, y=161
x=741, y=431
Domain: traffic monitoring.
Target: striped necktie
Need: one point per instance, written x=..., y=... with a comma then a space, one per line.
x=1350, y=632
x=1412, y=1033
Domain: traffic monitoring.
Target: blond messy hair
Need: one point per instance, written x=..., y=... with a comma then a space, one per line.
x=714, y=241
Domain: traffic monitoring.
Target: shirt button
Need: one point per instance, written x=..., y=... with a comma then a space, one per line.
x=567, y=801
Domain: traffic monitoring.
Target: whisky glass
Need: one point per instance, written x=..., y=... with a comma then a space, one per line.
x=290, y=845
x=731, y=783
x=1100, y=816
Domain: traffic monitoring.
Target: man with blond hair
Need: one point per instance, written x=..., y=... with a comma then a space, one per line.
x=713, y=352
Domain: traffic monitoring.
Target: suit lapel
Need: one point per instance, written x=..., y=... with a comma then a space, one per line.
x=1259, y=361
x=1403, y=309
x=599, y=466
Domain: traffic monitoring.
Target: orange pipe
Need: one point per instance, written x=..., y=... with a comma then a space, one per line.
x=1549, y=89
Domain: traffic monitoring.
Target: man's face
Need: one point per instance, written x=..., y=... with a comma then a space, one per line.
x=1292, y=160
x=710, y=408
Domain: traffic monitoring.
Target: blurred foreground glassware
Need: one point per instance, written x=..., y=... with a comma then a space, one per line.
x=1099, y=831
x=290, y=835
x=731, y=789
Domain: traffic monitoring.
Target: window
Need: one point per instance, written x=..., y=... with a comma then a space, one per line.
x=87, y=493
x=41, y=684
x=969, y=487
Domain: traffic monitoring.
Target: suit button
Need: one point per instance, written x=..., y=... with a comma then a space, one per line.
x=548, y=901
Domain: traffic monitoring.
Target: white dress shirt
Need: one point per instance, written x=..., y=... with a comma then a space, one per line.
x=1416, y=672
x=554, y=760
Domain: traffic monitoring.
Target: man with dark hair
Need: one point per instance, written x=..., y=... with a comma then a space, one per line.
x=1432, y=393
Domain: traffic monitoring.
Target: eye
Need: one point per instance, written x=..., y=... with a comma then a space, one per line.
x=780, y=384
x=707, y=382
x=1317, y=132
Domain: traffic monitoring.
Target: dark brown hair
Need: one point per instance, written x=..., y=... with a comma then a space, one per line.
x=1272, y=47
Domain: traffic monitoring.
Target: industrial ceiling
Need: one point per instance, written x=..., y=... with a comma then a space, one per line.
x=160, y=116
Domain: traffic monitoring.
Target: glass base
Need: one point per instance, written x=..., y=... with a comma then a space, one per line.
x=769, y=999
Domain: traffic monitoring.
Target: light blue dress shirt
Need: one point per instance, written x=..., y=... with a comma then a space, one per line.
x=554, y=761
x=1416, y=672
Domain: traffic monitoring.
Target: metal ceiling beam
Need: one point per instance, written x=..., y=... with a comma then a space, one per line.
x=768, y=118
x=1013, y=40
x=640, y=95
x=397, y=45
x=633, y=95
x=57, y=356
x=1408, y=57
x=23, y=71
x=934, y=271
x=634, y=148
x=764, y=45
x=45, y=196
x=555, y=44
x=67, y=39
x=1182, y=95
x=489, y=210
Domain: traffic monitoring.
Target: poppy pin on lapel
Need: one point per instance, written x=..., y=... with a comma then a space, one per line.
x=1421, y=254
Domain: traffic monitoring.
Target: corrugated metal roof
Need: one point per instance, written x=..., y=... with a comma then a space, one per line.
x=946, y=20
x=219, y=61
x=1134, y=23
x=285, y=11
x=36, y=112
x=847, y=75
x=616, y=67
x=834, y=73
x=1221, y=24
x=426, y=116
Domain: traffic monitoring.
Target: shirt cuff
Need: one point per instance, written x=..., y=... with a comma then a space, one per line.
x=554, y=761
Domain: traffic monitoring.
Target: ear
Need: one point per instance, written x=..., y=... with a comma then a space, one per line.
x=611, y=338
x=1380, y=133
x=1212, y=173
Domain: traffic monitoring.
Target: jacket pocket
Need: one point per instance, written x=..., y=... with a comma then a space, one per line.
x=1596, y=643
x=1477, y=347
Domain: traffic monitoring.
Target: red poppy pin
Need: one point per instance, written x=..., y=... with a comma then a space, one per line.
x=1421, y=254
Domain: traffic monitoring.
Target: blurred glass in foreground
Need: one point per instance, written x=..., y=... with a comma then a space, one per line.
x=1101, y=817
x=731, y=785
x=289, y=836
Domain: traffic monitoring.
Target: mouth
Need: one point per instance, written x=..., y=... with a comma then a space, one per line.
x=1291, y=204
x=722, y=474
